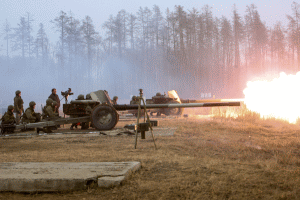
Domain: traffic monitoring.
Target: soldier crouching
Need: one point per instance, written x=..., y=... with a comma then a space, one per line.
x=8, y=121
x=48, y=111
x=48, y=115
x=30, y=116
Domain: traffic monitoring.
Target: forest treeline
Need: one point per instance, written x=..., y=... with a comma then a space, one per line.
x=190, y=51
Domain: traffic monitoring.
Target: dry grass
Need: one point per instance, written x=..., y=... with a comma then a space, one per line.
x=218, y=158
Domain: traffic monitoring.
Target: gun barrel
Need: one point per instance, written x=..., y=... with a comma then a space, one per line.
x=210, y=100
x=183, y=105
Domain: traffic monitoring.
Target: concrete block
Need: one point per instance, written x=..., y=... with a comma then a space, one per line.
x=107, y=181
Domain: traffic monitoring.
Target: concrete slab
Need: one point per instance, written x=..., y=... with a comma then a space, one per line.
x=60, y=176
x=107, y=181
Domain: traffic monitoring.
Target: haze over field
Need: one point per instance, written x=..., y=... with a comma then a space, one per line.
x=186, y=46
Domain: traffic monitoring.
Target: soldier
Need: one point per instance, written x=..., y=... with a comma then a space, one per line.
x=80, y=97
x=8, y=119
x=88, y=97
x=49, y=115
x=30, y=116
x=55, y=97
x=49, y=110
x=115, y=100
x=134, y=100
x=18, y=106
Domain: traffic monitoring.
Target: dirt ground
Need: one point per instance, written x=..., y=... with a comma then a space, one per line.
x=205, y=159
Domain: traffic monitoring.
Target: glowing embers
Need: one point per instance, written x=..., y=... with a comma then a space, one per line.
x=279, y=98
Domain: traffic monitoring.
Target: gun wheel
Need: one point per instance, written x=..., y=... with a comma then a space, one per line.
x=104, y=117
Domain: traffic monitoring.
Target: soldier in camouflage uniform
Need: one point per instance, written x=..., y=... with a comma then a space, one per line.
x=48, y=109
x=8, y=119
x=134, y=100
x=88, y=97
x=30, y=116
x=18, y=106
x=49, y=115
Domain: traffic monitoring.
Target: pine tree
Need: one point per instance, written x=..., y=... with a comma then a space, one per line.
x=20, y=37
x=61, y=23
x=6, y=30
x=294, y=29
x=238, y=36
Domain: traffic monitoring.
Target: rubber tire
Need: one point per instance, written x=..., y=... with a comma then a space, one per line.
x=98, y=111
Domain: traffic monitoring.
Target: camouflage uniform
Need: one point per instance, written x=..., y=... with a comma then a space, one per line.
x=88, y=97
x=134, y=100
x=18, y=106
x=8, y=117
x=30, y=116
x=8, y=120
x=48, y=109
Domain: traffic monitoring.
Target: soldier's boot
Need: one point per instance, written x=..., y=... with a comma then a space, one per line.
x=71, y=128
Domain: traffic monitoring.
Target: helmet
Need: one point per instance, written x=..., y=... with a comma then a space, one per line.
x=32, y=103
x=49, y=101
x=80, y=97
x=54, y=103
x=10, y=107
x=88, y=96
x=18, y=92
x=158, y=94
x=115, y=97
x=133, y=98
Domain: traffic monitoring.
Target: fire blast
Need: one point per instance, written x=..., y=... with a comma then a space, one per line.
x=279, y=98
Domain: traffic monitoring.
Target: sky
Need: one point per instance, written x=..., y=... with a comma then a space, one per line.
x=43, y=11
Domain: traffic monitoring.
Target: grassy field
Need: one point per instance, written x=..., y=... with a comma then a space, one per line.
x=208, y=158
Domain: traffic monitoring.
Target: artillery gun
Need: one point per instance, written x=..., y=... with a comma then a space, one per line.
x=101, y=112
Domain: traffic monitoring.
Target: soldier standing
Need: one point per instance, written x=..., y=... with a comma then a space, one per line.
x=55, y=97
x=18, y=106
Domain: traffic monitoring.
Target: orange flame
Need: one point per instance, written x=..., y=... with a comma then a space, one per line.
x=279, y=98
